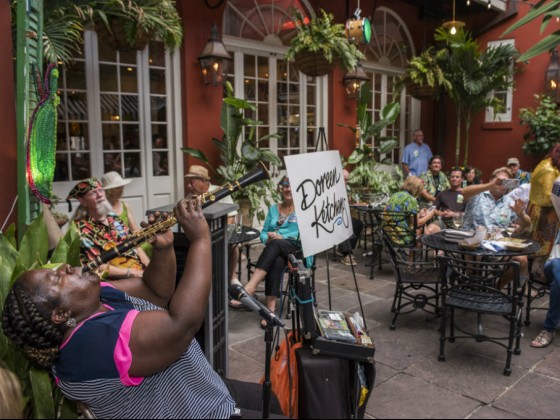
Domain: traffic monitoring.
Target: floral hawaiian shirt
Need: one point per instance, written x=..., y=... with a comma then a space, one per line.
x=402, y=201
x=484, y=210
x=524, y=177
x=96, y=237
x=434, y=185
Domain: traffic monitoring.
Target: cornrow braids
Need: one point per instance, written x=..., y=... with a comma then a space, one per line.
x=28, y=328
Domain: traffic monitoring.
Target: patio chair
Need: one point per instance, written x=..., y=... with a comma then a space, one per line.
x=470, y=285
x=416, y=271
x=536, y=289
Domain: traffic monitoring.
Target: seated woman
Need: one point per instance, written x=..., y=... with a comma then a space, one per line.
x=113, y=346
x=406, y=201
x=280, y=234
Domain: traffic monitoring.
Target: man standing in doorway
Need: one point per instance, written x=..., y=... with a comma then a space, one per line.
x=416, y=155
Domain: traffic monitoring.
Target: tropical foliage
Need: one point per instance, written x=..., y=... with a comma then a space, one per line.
x=323, y=36
x=64, y=22
x=373, y=169
x=426, y=70
x=543, y=126
x=240, y=154
x=549, y=11
x=44, y=400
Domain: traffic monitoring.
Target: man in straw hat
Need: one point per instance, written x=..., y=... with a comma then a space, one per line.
x=102, y=229
x=197, y=183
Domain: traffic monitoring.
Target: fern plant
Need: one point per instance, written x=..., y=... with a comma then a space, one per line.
x=323, y=36
x=426, y=70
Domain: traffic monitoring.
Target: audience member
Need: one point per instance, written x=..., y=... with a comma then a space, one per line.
x=487, y=207
x=524, y=177
x=416, y=155
x=113, y=184
x=280, y=234
x=406, y=201
x=470, y=177
x=435, y=181
x=102, y=230
x=345, y=248
x=449, y=202
x=552, y=274
x=544, y=220
x=127, y=348
x=198, y=183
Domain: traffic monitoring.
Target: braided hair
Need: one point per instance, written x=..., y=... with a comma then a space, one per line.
x=30, y=328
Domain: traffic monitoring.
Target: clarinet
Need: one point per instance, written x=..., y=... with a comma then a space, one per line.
x=208, y=198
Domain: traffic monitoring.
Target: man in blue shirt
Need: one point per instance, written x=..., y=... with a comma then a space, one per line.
x=416, y=155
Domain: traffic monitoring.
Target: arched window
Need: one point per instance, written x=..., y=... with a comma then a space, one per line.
x=287, y=102
x=387, y=55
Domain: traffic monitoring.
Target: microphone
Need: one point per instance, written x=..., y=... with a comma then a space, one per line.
x=237, y=292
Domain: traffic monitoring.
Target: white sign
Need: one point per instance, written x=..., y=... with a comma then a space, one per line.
x=320, y=200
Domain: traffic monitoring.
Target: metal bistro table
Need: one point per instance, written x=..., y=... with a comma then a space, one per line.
x=438, y=242
x=367, y=215
x=239, y=235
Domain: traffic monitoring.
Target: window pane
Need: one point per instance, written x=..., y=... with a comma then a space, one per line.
x=157, y=81
x=81, y=167
x=159, y=136
x=131, y=135
x=160, y=163
x=108, y=81
x=129, y=107
x=111, y=137
x=61, y=170
x=157, y=54
x=112, y=162
x=76, y=76
x=132, y=165
x=128, y=57
x=129, y=79
x=159, y=109
x=110, y=107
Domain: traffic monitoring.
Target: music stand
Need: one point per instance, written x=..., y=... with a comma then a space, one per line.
x=321, y=144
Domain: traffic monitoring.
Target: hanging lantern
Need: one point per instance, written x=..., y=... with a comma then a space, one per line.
x=214, y=60
x=552, y=77
x=353, y=81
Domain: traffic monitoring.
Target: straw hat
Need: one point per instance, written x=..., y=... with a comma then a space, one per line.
x=113, y=180
x=512, y=161
x=197, y=171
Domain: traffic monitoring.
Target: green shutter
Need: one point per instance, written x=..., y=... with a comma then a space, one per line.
x=29, y=52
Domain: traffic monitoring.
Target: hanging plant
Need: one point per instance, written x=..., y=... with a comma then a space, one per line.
x=320, y=44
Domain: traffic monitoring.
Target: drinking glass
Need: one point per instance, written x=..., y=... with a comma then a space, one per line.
x=458, y=220
x=238, y=223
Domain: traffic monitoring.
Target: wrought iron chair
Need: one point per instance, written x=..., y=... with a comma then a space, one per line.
x=470, y=285
x=416, y=271
x=540, y=286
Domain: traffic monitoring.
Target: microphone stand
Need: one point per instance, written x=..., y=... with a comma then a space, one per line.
x=267, y=385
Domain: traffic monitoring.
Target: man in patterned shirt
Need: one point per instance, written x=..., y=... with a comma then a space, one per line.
x=102, y=230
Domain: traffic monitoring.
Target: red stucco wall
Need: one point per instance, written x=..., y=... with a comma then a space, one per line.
x=7, y=117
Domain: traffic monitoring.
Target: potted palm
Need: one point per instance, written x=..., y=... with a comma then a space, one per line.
x=319, y=44
x=239, y=154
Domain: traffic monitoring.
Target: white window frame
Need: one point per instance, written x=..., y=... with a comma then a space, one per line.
x=507, y=115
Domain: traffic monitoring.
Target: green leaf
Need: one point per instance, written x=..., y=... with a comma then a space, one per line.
x=537, y=11
x=251, y=152
x=387, y=146
x=34, y=244
x=544, y=45
x=195, y=153
x=43, y=403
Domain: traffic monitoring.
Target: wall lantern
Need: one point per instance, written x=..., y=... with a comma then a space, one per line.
x=214, y=60
x=553, y=77
x=353, y=81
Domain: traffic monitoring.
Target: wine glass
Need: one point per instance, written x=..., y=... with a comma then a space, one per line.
x=458, y=220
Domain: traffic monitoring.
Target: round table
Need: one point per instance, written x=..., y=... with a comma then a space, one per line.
x=241, y=234
x=437, y=241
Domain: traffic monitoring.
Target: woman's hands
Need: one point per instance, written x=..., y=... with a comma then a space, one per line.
x=274, y=235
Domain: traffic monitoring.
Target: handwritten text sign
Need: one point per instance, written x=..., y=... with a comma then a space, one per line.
x=320, y=200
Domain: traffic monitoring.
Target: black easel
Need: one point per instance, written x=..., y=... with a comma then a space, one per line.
x=321, y=144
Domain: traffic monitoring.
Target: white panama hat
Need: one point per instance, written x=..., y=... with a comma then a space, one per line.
x=113, y=180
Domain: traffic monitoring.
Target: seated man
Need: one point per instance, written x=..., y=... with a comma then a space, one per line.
x=198, y=183
x=101, y=230
x=449, y=202
x=113, y=346
x=487, y=206
x=345, y=248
